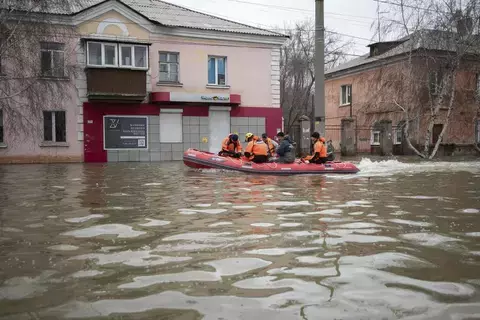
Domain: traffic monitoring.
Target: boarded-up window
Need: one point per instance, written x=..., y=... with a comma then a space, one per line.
x=171, y=130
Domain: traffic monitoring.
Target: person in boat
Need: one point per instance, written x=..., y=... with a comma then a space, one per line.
x=330, y=151
x=286, y=150
x=256, y=150
x=231, y=147
x=319, y=150
x=271, y=145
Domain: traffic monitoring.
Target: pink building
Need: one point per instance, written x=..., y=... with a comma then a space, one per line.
x=156, y=79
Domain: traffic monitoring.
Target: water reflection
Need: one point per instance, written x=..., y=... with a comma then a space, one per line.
x=162, y=241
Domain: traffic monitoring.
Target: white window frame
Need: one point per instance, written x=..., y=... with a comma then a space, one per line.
x=348, y=88
x=216, y=70
x=168, y=53
x=167, y=113
x=54, y=126
x=103, y=65
x=132, y=54
x=372, y=138
x=52, y=64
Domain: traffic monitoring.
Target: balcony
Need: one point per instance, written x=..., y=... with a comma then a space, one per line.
x=112, y=84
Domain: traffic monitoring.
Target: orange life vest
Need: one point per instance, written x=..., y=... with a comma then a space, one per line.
x=257, y=147
x=270, y=147
x=228, y=145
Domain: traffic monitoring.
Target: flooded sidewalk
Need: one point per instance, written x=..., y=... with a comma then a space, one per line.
x=161, y=241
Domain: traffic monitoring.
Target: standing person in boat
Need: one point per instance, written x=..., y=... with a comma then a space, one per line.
x=256, y=150
x=231, y=147
x=271, y=144
x=330, y=151
x=319, y=150
x=286, y=150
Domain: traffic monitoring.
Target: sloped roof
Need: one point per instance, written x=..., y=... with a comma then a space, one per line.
x=164, y=13
x=423, y=39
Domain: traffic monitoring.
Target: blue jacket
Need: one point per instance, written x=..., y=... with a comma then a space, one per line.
x=285, y=146
x=286, y=151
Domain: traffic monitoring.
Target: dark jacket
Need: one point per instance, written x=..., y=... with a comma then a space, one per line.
x=286, y=151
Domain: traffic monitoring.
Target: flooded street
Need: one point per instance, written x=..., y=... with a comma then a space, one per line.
x=161, y=241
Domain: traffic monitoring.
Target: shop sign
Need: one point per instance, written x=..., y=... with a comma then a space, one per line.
x=125, y=132
x=202, y=97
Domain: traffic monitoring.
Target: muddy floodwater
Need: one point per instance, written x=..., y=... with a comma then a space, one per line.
x=161, y=241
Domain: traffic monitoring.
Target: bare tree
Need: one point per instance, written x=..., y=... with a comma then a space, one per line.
x=37, y=62
x=297, y=73
x=476, y=143
x=440, y=43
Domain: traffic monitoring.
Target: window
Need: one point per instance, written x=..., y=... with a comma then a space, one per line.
x=52, y=59
x=398, y=133
x=437, y=129
x=2, y=51
x=345, y=95
x=1, y=126
x=375, y=140
x=435, y=82
x=54, y=126
x=478, y=84
x=168, y=67
x=478, y=131
x=217, y=71
x=171, y=127
x=105, y=54
x=133, y=56
x=101, y=54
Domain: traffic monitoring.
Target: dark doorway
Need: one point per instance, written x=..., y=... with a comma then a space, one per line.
x=437, y=129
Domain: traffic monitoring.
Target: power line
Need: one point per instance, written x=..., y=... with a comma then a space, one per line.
x=405, y=5
x=297, y=9
x=246, y=29
x=291, y=9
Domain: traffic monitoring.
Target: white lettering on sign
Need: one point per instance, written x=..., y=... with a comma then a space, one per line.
x=132, y=137
x=114, y=123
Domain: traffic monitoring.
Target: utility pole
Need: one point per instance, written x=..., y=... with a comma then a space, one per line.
x=319, y=68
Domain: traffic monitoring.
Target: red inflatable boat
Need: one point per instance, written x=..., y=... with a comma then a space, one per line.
x=206, y=160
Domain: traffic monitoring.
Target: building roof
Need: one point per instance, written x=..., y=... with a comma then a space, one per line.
x=163, y=13
x=434, y=40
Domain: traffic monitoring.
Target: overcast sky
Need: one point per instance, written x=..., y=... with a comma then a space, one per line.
x=351, y=17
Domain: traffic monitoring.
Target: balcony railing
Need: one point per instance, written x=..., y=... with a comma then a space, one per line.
x=116, y=84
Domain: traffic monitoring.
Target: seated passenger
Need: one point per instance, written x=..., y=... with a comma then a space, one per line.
x=256, y=149
x=231, y=147
x=271, y=145
x=319, y=150
x=286, y=151
x=330, y=151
